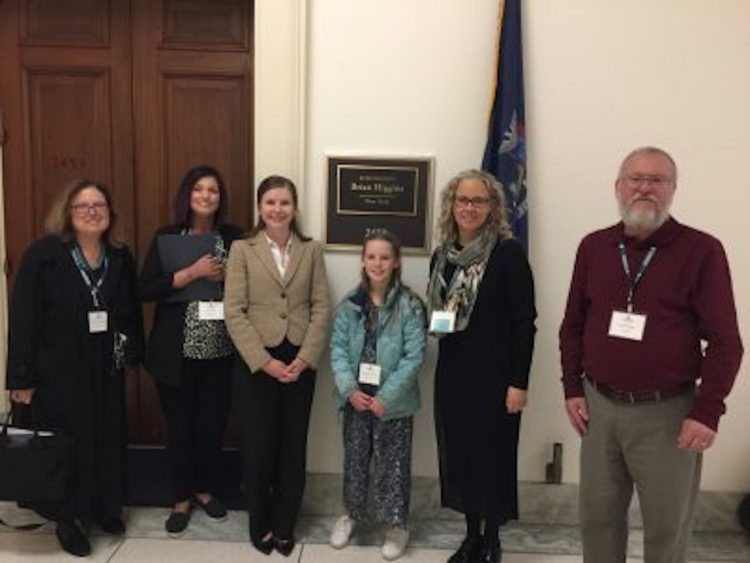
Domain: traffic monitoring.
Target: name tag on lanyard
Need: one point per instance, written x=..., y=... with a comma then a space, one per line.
x=627, y=325
x=97, y=321
x=443, y=321
x=369, y=374
x=211, y=310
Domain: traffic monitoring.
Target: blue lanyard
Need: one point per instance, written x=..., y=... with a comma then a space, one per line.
x=84, y=269
x=633, y=282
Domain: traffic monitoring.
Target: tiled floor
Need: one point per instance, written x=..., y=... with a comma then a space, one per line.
x=43, y=548
x=205, y=540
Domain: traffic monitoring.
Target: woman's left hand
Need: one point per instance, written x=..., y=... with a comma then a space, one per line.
x=515, y=400
x=296, y=368
x=377, y=408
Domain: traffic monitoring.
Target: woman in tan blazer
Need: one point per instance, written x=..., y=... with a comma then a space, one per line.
x=277, y=309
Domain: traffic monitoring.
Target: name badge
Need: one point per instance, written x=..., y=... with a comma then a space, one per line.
x=369, y=374
x=627, y=325
x=97, y=321
x=211, y=310
x=443, y=321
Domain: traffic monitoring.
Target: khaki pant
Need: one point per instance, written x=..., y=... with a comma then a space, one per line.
x=637, y=444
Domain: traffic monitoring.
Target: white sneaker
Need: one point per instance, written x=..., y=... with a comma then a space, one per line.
x=342, y=531
x=396, y=539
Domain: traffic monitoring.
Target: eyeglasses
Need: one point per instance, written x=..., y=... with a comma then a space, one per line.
x=83, y=209
x=654, y=181
x=475, y=202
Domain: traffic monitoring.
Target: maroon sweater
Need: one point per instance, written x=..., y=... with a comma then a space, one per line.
x=686, y=293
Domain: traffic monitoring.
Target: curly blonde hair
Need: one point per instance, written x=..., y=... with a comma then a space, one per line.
x=497, y=217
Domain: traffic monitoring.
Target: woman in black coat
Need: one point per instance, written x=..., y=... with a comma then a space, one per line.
x=75, y=322
x=481, y=297
x=189, y=352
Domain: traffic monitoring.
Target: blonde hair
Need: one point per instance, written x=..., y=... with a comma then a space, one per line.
x=60, y=223
x=497, y=217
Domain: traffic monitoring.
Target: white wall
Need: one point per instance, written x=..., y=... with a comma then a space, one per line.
x=414, y=77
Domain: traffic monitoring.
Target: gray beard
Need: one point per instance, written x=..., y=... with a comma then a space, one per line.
x=643, y=221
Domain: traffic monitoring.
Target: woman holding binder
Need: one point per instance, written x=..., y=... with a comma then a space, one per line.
x=75, y=323
x=277, y=311
x=189, y=352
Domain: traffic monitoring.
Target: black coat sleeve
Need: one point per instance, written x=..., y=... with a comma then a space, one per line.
x=25, y=321
x=519, y=284
x=131, y=312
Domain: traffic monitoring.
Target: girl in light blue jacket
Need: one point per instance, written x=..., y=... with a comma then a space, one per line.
x=377, y=349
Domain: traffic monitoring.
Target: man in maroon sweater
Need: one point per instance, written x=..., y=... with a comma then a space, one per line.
x=650, y=349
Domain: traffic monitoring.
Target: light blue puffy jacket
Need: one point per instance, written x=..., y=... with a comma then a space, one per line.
x=400, y=348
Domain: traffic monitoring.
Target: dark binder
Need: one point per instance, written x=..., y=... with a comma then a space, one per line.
x=178, y=252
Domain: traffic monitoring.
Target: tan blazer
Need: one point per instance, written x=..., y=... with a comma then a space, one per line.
x=261, y=308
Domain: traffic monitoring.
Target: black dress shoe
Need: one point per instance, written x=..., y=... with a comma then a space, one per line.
x=112, y=525
x=72, y=539
x=468, y=551
x=285, y=547
x=265, y=546
x=491, y=551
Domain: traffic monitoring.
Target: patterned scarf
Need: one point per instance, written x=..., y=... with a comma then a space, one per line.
x=459, y=293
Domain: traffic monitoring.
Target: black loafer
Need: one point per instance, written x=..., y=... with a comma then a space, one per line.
x=285, y=547
x=72, y=539
x=177, y=523
x=214, y=508
x=468, y=551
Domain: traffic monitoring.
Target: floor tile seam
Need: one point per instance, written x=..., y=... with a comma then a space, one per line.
x=120, y=542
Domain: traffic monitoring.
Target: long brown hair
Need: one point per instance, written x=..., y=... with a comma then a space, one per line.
x=183, y=214
x=393, y=240
x=60, y=223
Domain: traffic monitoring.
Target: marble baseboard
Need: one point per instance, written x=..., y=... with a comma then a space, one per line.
x=445, y=533
x=540, y=503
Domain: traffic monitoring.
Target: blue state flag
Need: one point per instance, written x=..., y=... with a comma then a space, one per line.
x=505, y=152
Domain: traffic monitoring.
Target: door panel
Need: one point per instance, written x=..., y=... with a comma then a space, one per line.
x=70, y=131
x=65, y=91
x=213, y=134
x=65, y=22
x=219, y=25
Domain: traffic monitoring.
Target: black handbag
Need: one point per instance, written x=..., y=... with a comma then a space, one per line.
x=34, y=462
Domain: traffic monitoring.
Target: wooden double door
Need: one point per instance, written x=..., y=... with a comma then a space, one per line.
x=132, y=93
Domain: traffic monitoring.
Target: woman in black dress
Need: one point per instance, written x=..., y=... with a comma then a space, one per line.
x=481, y=301
x=75, y=322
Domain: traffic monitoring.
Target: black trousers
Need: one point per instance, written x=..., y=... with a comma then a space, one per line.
x=275, y=418
x=196, y=415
